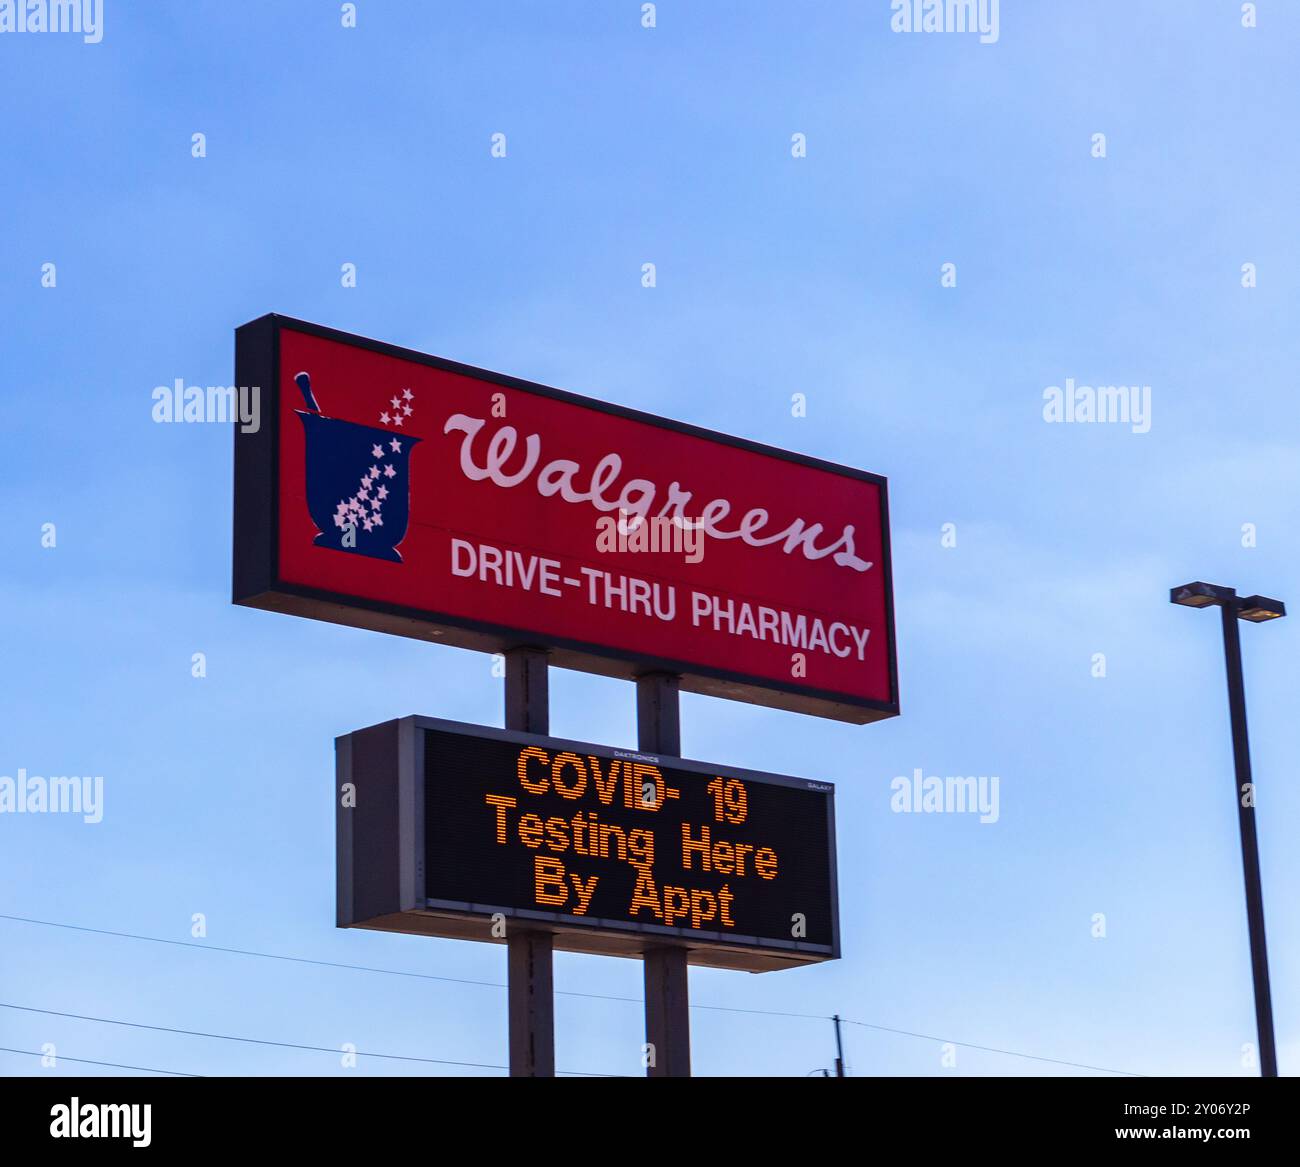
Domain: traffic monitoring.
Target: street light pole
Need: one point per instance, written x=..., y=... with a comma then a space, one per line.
x=1249, y=841
x=1257, y=610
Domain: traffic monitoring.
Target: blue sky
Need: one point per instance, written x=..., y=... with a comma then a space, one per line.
x=775, y=275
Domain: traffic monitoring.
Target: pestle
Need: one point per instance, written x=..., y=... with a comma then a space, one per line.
x=303, y=381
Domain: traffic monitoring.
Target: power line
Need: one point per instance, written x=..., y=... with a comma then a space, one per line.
x=279, y=1044
x=87, y=1062
x=558, y=992
x=395, y=972
x=249, y=952
x=990, y=1049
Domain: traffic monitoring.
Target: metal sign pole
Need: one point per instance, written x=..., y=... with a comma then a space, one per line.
x=530, y=975
x=667, y=1000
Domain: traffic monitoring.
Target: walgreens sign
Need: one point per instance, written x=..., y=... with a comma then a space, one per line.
x=400, y=492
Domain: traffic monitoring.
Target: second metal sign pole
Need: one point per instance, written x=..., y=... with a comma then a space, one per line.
x=531, y=972
x=667, y=1000
x=531, y=986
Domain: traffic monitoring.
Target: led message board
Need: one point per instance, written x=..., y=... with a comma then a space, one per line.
x=392, y=490
x=444, y=826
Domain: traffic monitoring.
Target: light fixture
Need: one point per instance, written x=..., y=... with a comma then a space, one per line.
x=1257, y=609
x=1200, y=595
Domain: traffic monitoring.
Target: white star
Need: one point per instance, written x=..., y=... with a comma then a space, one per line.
x=398, y=419
x=369, y=526
x=374, y=470
x=389, y=472
x=376, y=519
x=384, y=418
x=406, y=409
x=382, y=493
x=339, y=520
x=396, y=446
x=407, y=394
x=376, y=451
x=396, y=402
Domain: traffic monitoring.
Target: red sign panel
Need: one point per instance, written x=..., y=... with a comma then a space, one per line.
x=393, y=490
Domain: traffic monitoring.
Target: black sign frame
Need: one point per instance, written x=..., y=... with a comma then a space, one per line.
x=380, y=856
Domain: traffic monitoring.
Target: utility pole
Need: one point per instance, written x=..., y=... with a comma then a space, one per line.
x=839, y=1048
